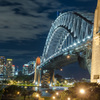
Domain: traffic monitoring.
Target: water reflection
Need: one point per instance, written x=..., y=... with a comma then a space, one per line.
x=35, y=88
x=25, y=87
x=38, y=88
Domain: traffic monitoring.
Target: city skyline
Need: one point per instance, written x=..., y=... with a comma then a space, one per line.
x=24, y=27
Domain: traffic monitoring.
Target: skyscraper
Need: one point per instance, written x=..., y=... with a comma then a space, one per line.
x=25, y=69
x=9, y=67
x=13, y=70
x=2, y=66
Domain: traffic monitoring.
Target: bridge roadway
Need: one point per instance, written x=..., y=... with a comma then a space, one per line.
x=61, y=59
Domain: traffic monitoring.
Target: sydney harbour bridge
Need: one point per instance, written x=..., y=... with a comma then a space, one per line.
x=69, y=40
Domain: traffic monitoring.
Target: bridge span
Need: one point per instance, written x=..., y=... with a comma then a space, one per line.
x=70, y=34
x=69, y=40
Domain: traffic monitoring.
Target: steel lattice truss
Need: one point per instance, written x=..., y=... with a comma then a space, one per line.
x=71, y=33
x=68, y=31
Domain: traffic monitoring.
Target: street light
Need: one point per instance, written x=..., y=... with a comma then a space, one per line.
x=82, y=91
x=18, y=93
x=46, y=91
x=68, y=98
x=68, y=56
x=37, y=95
x=65, y=81
x=57, y=93
x=53, y=97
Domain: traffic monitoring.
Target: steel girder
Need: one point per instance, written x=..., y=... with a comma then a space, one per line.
x=68, y=30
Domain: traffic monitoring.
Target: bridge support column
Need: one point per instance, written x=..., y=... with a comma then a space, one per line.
x=95, y=68
x=35, y=74
x=45, y=80
x=39, y=77
x=52, y=78
x=37, y=71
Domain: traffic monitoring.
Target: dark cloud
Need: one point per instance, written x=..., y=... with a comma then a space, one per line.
x=8, y=3
x=24, y=25
x=28, y=27
x=4, y=27
x=22, y=11
x=29, y=15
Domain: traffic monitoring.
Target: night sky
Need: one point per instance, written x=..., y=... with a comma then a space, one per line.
x=24, y=26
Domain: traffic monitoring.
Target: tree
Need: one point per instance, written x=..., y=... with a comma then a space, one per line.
x=92, y=91
x=11, y=91
x=1, y=91
x=59, y=77
x=24, y=93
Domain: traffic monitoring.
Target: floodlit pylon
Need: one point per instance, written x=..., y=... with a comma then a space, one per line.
x=37, y=72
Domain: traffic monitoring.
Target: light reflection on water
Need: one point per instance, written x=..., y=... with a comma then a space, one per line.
x=38, y=88
x=31, y=88
x=35, y=88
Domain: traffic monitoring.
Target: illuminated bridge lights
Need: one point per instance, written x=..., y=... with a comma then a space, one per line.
x=66, y=53
x=60, y=41
x=75, y=44
x=78, y=41
x=63, y=50
x=83, y=40
x=88, y=37
x=86, y=44
x=70, y=45
x=76, y=48
x=36, y=83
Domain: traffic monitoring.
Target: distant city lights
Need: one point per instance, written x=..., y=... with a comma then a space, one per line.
x=74, y=44
x=83, y=40
x=78, y=41
x=88, y=37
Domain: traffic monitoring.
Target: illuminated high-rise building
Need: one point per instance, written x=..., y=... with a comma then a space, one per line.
x=13, y=70
x=2, y=66
x=9, y=67
x=31, y=66
x=25, y=69
x=28, y=68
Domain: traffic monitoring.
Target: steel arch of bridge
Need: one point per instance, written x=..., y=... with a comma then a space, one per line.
x=69, y=30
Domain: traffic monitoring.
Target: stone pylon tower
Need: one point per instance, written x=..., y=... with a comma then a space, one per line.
x=37, y=71
x=95, y=67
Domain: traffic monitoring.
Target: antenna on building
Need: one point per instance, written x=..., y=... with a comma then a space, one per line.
x=57, y=13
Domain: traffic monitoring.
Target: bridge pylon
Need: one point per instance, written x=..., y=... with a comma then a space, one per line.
x=95, y=67
x=52, y=78
x=37, y=77
x=37, y=74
